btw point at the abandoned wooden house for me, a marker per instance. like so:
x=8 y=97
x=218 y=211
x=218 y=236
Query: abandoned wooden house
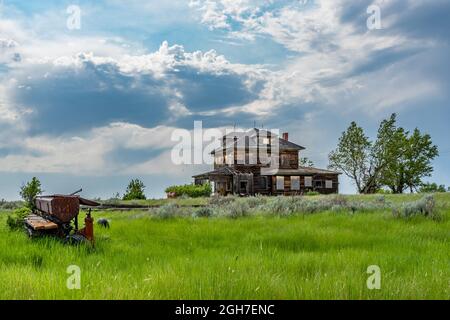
x=260 y=162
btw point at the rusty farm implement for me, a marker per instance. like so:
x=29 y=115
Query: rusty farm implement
x=58 y=215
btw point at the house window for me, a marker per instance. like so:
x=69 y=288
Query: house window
x=263 y=182
x=318 y=184
x=285 y=160
x=280 y=183
x=308 y=182
x=329 y=184
x=295 y=183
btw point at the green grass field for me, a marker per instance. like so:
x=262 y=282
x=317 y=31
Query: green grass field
x=316 y=256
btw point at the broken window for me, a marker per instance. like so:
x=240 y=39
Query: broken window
x=318 y=184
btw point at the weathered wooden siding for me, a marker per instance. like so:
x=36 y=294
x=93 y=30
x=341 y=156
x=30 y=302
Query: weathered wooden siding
x=303 y=189
x=289 y=159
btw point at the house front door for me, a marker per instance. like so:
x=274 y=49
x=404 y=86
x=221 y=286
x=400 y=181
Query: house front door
x=243 y=187
x=221 y=188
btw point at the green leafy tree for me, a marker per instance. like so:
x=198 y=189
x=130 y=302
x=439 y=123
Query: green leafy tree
x=305 y=162
x=414 y=162
x=135 y=190
x=396 y=159
x=388 y=150
x=30 y=191
x=432 y=188
x=352 y=155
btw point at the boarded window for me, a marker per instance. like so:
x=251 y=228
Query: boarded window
x=280 y=183
x=329 y=184
x=308 y=182
x=295 y=183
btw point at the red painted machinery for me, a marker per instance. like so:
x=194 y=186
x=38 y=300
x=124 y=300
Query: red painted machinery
x=57 y=215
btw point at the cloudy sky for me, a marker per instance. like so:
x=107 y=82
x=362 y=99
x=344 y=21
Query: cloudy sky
x=94 y=104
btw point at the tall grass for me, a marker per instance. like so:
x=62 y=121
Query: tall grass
x=323 y=255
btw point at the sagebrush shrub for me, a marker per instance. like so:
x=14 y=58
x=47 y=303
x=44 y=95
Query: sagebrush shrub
x=204 y=212
x=220 y=201
x=167 y=211
x=237 y=209
x=279 y=206
x=338 y=200
x=424 y=207
x=256 y=201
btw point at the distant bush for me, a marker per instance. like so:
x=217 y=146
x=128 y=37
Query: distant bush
x=256 y=201
x=424 y=207
x=432 y=188
x=10 y=205
x=280 y=206
x=167 y=211
x=220 y=201
x=135 y=190
x=312 y=193
x=16 y=220
x=237 y=209
x=204 y=212
x=190 y=190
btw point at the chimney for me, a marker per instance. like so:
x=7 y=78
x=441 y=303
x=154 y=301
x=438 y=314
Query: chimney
x=286 y=136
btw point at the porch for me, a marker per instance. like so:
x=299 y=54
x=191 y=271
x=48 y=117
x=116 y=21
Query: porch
x=227 y=180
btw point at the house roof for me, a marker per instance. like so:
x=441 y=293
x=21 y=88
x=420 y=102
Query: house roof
x=224 y=171
x=301 y=171
x=283 y=144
